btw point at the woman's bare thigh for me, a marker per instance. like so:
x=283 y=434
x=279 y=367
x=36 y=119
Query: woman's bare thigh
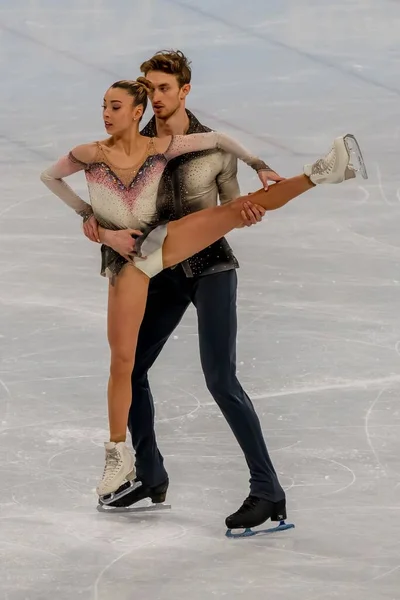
x=126 y=305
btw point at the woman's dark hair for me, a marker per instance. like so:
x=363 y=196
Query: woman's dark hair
x=139 y=89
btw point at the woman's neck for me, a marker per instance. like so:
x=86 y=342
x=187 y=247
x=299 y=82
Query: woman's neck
x=128 y=142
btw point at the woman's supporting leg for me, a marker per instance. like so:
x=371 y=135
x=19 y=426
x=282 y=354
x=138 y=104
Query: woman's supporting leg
x=126 y=306
x=192 y=233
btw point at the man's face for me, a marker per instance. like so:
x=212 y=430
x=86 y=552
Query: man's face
x=167 y=97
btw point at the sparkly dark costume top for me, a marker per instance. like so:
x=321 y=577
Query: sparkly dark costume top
x=194 y=181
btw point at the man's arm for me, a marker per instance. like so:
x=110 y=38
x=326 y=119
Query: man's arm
x=227 y=182
x=228 y=189
x=122 y=241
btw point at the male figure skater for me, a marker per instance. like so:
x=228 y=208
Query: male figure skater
x=209 y=281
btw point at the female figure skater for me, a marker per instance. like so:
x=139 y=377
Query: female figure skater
x=123 y=174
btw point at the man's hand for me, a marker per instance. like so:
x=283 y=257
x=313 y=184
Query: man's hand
x=251 y=214
x=266 y=176
x=91 y=229
x=121 y=241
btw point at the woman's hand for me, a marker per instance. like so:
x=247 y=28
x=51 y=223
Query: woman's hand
x=266 y=176
x=91 y=229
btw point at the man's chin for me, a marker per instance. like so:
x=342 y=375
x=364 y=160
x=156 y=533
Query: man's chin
x=162 y=114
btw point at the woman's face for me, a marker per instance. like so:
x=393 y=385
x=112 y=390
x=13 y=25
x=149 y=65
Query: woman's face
x=119 y=112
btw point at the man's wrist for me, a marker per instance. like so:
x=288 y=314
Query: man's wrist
x=104 y=235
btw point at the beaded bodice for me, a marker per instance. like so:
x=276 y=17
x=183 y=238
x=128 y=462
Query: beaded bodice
x=124 y=197
x=127 y=198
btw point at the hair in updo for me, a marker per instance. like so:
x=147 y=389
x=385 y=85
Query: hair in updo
x=139 y=89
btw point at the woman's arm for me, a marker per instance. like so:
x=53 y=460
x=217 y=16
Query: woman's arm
x=53 y=177
x=195 y=142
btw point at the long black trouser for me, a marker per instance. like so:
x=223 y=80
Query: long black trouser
x=214 y=297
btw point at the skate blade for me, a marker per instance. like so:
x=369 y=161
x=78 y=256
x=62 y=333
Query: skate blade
x=354 y=150
x=250 y=532
x=125 y=489
x=133 y=509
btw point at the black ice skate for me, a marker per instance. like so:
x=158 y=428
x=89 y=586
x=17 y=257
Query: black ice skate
x=255 y=511
x=129 y=494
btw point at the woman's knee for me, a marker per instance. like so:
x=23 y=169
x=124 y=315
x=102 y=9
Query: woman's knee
x=122 y=362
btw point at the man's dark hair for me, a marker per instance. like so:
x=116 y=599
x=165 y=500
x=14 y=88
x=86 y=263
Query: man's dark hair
x=173 y=62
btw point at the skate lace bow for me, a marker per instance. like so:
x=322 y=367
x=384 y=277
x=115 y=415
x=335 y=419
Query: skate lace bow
x=113 y=464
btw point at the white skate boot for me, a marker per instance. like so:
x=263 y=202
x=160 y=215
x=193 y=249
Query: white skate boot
x=336 y=166
x=119 y=469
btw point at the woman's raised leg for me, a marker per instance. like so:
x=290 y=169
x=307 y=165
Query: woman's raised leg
x=192 y=233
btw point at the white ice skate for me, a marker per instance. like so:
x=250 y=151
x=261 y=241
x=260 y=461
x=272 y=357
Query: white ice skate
x=337 y=166
x=119 y=469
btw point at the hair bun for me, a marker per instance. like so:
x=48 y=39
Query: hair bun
x=146 y=84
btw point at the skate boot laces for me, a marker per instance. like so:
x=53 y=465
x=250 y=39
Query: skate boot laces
x=114 y=462
x=250 y=502
x=326 y=164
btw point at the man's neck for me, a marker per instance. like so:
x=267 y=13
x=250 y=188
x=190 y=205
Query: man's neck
x=176 y=124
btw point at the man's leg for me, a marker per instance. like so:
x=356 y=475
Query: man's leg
x=166 y=304
x=215 y=300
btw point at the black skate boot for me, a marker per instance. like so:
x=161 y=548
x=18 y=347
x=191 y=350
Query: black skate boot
x=140 y=491
x=255 y=511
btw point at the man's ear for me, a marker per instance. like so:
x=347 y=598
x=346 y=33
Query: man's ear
x=185 y=89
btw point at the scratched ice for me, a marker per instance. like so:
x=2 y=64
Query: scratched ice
x=319 y=338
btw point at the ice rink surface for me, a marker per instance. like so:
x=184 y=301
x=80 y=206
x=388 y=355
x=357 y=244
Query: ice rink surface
x=319 y=298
